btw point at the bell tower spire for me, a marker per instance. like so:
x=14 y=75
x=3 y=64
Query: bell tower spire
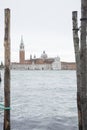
x=22 y=44
x=22 y=52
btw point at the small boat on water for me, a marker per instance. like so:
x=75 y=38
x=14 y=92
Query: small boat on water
x=0 y=77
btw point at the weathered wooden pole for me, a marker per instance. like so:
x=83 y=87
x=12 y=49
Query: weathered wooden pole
x=77 y=58
x=7 y=71
x=83 y=59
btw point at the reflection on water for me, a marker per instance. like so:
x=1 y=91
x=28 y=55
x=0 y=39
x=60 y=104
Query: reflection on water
x=43 y=100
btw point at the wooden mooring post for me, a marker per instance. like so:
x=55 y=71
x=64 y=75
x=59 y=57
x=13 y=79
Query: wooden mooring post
x=78 y=73
x=83 y=60
x=81 y=63
x=7 y=71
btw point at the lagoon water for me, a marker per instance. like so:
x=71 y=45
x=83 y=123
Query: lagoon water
x=42 y=100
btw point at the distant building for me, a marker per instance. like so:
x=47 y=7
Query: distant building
x=68 y=66
x=22 y=52
x=42 y=63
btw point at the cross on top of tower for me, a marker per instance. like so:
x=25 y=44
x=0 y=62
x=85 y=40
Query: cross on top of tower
x=22 y=39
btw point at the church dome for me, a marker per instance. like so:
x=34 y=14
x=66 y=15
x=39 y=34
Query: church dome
x=44 y=55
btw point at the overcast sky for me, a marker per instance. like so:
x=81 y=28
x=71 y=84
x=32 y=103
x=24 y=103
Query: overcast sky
x=44 y=24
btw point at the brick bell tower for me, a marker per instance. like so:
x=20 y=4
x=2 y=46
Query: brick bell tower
x=22 y=52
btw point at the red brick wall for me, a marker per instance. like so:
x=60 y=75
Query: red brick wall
x=22 y=57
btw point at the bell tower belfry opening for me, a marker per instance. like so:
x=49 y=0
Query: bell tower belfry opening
x=22 y=52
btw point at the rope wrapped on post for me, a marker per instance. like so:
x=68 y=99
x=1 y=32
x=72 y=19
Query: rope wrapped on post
x=4 y=108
